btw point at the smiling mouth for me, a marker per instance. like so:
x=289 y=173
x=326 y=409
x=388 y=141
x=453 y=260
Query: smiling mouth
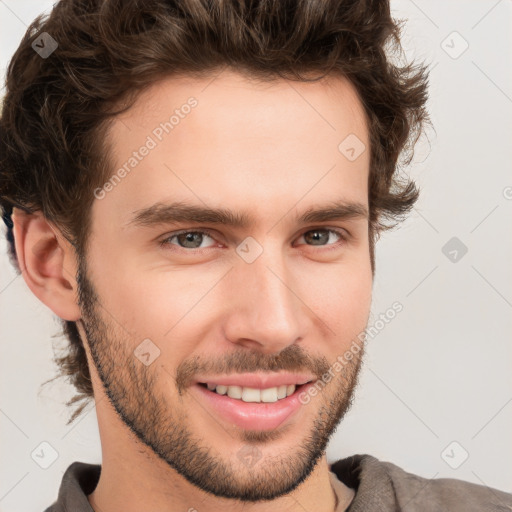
x=256 y=407
x=255 y=395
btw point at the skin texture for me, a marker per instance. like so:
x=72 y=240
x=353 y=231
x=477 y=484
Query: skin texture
x=271 y=151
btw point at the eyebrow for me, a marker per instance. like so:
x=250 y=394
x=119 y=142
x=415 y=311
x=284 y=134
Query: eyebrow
x=180 y=212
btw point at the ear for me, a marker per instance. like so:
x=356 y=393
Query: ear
x=48 y=263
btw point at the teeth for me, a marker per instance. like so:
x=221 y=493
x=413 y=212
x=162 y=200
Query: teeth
x=269 y=395
x=222 y=390
x=251 y=395
x=281 y=391
x=234 y=392
x=245 y=394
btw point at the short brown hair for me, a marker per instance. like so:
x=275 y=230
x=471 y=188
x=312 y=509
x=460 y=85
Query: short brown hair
x=56 y=110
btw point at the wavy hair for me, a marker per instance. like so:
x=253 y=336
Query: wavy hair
x=56 y=110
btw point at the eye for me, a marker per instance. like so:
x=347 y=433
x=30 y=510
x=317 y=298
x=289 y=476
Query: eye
x=194 y=239
x=321 y=236
x=188 y=239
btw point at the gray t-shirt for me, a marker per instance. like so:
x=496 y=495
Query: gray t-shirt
x=378 y=486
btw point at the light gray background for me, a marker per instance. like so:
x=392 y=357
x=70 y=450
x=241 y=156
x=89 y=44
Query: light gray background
x=441 y=370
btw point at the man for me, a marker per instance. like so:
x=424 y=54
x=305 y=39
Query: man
x=196 y=189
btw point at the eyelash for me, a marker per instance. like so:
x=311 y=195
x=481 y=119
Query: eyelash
x=344 y=237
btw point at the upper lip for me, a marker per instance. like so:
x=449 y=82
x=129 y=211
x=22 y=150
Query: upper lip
x=258 y=380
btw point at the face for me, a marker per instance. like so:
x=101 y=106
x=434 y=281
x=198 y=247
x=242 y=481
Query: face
x=232 y=256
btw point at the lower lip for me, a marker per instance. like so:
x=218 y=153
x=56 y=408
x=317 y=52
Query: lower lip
x=252 y=415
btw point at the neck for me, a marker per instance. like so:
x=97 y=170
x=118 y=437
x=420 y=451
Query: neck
x=133 y=478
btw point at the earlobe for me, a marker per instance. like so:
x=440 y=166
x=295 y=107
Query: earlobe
x=47 y=262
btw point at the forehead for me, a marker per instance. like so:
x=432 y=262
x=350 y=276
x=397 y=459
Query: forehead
x=226 y=98
x=227 y=137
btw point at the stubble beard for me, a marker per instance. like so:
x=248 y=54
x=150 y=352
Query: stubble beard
x=132 y=389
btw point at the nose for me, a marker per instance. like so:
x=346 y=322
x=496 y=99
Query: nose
x=266 y=313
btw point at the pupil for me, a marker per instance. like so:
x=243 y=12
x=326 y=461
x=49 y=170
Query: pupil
x=317 y=236
x=190 y=238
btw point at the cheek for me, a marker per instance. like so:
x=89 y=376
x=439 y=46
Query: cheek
x=158 y=304
x=341 y=298
x=164 y=304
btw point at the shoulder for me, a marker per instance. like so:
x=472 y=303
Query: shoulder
x=386 y=482
x=449 y=493
x=79 y=480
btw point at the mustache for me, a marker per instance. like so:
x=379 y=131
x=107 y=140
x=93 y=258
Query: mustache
x=293 y=359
